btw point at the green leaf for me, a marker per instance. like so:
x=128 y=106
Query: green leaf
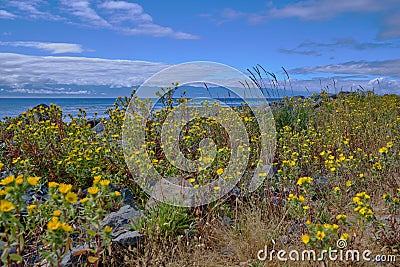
x=92 y=259
x=16 y=257
x=91 y=232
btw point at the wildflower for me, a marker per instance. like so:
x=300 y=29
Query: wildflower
x=7 y=180
x=33 y=180
x=220 y=171
x=196 y=186
x=216 y=188
x=83 y=200
x=66 y=227
x=65 y=188
x=305 y=239
x=383 y=150
x=93 y=190
x=308 y=222
x=96 y=179
x=336 y=189
x=335 y=226
x=6 y=206
x=53 y=224
x=341 y=216
x=31 y=207
x=19 y=180
x=117 y=193
x=53 y=184
x=306 y=207
x=57 y=213
x=348 y=183
x=385 y=196
x=301 y=198
x=320 y=235
x=389 y=145
x=1 y=165
x=71 y=197
x=333 y=169
x=302 y=180
x=345 y=236
x=3 y=192
x=105 y=182
x=107 y=229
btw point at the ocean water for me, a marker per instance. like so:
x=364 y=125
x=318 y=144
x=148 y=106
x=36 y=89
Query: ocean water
x=11 y=107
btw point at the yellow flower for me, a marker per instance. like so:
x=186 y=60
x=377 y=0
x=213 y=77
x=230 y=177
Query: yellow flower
x=361 y=175
x=301 y=198
x=93 y=190
x=341 y=216
x=33 y=180
x=333 y=169
x=117 y=193
x=389 y=145
x=306 y=207
x=31 y=207
x=337 y=189
x=66 y=227
x=71 y=197
x=1 y=165
x=220 y=171
x=105 y=182
x=6 y=206
x=3 y=192
x=308 y=222
x=192 y=180
x=320 y=235
x=107 y=229
x=345 y=236
x=96 y=179
x=7 y=180
x=196 y=186
x=335 y=226
x=83 y=200
x=216 y=188
x=348 y=183
x=385 y=196
x=19 y=180
x=53 y=184
x=65 y=188
x=305 y=239
x=57 y=213
x=53 y=224
x=383 y=150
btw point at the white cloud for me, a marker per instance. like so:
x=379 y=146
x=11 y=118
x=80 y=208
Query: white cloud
x=326 y=9
x=54 y=48
x=390 y=68
x=17 y=70
x=120 y=16
x=83 y=11
x=4 y=14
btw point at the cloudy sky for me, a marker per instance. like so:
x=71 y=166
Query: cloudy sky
x=101 y=48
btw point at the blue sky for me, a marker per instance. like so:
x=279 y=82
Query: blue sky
x=100 y=48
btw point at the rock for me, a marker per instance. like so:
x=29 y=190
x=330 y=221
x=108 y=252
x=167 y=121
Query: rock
x=73 y=257
x=130 y=238
x=2 y=244
x=99 y=128
x=93 y=122
x=122 y=217
x=120 y=222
